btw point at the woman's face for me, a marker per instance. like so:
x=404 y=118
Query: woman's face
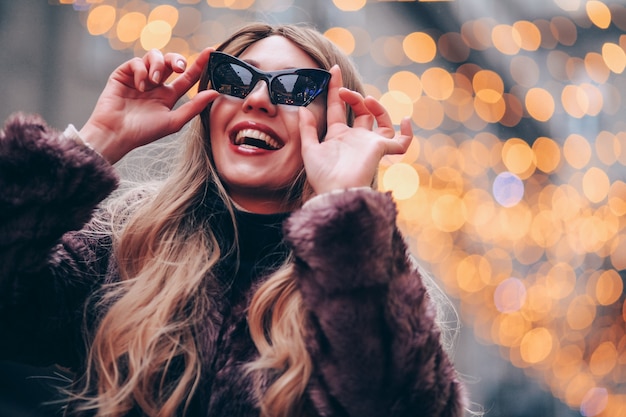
x=257 y=177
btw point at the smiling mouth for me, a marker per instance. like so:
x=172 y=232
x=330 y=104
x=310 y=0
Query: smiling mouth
x=256 y=139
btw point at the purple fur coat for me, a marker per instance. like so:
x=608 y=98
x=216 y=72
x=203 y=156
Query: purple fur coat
x=373 y=340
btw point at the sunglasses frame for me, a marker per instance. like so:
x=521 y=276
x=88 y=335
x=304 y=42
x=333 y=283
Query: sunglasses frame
x=316 y=74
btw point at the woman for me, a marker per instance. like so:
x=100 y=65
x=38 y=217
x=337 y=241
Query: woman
x=264 y=276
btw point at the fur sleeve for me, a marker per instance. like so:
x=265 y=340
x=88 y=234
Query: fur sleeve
x=49 y=185
x=372 y=337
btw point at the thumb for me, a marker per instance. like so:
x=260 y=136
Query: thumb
x=193 y=107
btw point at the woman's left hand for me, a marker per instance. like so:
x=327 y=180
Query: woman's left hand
x=349 y=156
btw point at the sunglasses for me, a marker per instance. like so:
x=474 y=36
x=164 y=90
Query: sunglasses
x=294 y=87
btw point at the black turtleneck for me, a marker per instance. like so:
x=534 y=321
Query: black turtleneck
x=260 y=251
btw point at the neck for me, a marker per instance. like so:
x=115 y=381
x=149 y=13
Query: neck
x=261 y=203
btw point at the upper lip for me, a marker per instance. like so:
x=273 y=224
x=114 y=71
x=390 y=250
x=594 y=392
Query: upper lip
x=257 y=131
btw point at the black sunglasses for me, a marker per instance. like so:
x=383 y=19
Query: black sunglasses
x=294 y=87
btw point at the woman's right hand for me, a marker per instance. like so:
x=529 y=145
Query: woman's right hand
x=136 y=106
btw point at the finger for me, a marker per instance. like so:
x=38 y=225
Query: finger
x=175 y=62
x=335 y=106
x=137 y=70
x=190 y=109
x=363 y=116
x=308 y=129
x=402 y=141
x=155 y=62
x=383 y=119
x=183 y=83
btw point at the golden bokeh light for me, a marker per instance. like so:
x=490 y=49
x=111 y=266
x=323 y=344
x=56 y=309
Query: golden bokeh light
x=614 y=57
x=155 y=34
x=536 y=345
x=506 y=39
x=419 y=47
x=130 y=26
x=101 y=19
x=343 y=38
x=407 y=82
x=349 y=5
x=599 y=13
x=547 y=154
x=540 y=104
x=577 y=151
x=402 y=180
x=398 y=104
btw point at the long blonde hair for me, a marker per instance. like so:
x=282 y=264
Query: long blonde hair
x=165 y=252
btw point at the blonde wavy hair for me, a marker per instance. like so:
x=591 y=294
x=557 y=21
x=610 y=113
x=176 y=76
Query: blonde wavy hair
x=144 y=351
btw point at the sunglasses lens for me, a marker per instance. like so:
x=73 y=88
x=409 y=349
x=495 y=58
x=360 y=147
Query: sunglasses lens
x=232 y=79
x=295 y=90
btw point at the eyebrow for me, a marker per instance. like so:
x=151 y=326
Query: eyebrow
x=255 y=64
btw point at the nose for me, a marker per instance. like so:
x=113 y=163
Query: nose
x=259 y=99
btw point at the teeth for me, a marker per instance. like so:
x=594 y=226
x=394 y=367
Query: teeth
x=255 y=134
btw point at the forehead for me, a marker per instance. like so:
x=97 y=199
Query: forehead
x=276 y=53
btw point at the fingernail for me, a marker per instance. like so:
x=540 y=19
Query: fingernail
x=156 y=77
x=180 y=64
x=142 y=86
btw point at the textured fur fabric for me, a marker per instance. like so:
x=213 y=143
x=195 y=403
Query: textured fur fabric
x=371 y=326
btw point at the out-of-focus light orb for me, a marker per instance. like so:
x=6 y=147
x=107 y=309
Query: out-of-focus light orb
x=437 y=83
x=407 y=82
x=419 y=47
x=599 y=13
x=603 y=359
x=506 y=39
x=165 y=13
x=517 y=156
x=536 y=345
x=341 y=37
x=130 y=26
x=449 y=213
x=540 y=104
x=398 y=104
x=510 y=295
x=488 y=86
x=575 y=101
x=155 y=35
x=581 y=312
x=402 y=180
x=529 y=35
x=428 y=113
x=597 y=68
x=614 y=57
x=547 y=154
x=349 y=5
x=452 y=47
x=577 y=151
x=596 y=184
x=568 y=5
x=594 y=402
x=508 y=189
x=101 y=19
x=617 y=198
x=564 y=30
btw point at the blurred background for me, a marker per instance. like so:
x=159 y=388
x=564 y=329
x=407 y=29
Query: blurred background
x=512 y=195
